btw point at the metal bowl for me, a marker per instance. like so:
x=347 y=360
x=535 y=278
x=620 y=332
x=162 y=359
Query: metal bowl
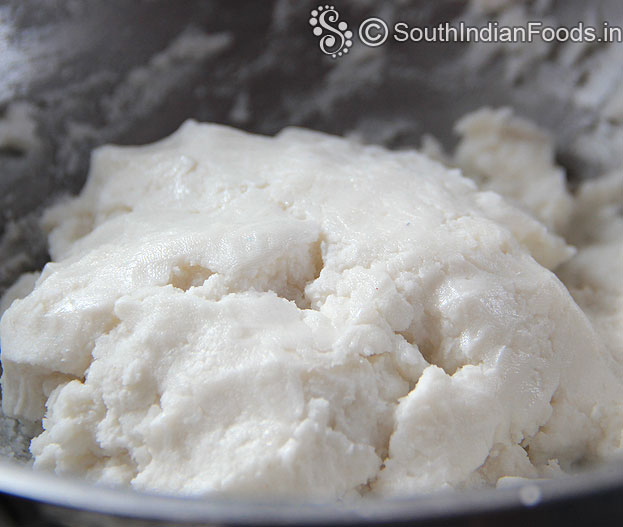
x=81 y=73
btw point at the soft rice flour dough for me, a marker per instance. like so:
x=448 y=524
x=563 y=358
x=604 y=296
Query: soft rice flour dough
x=303 y=315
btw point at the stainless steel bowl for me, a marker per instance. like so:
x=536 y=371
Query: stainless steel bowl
x=93 y=72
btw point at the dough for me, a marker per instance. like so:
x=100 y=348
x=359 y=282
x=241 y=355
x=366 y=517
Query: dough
x=303 y=316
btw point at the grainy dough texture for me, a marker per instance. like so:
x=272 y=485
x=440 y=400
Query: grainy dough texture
x=303 y=315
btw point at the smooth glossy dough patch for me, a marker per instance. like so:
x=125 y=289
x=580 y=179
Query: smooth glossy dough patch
x=301 y=316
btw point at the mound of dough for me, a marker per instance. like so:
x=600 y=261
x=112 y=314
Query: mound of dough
x=300 y=315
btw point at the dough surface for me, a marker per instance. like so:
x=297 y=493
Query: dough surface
x=303 y=315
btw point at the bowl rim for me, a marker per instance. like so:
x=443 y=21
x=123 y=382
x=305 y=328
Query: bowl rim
x=74 y=493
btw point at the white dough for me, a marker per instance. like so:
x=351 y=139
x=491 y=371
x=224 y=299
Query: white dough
x=513 y=157
x=303 y=315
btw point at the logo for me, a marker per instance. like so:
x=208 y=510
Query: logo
x=335 y=38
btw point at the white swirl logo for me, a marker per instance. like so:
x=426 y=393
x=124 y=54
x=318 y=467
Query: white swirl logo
x=335 y=40
x=373 y=32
